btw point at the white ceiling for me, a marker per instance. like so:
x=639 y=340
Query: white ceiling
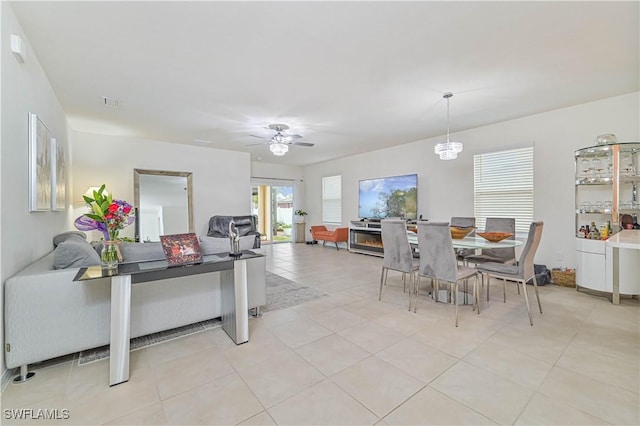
x=350 y=77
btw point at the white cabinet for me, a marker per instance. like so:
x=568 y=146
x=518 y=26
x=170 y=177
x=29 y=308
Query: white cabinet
x=591 y=269
x=606 y=188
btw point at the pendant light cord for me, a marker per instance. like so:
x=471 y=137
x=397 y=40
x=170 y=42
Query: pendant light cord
x=447 y=96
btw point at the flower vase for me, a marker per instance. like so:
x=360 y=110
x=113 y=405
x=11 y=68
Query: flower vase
x=109 y=257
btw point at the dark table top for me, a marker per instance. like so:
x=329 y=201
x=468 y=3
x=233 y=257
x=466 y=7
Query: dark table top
x=160 y=270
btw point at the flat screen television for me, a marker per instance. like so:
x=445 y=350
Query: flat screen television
x=395 y=196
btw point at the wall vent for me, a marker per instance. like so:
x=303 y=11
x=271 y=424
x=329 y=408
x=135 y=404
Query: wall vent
x=110 y=102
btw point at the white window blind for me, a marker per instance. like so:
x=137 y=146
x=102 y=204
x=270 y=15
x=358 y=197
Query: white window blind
x=503 y=187
x=332 y=199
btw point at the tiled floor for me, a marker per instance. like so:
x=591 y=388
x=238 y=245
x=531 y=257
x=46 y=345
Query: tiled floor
x=349 y=359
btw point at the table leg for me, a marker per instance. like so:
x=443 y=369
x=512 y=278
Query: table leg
x=235 y=304
x=615 y=297
x=120 y=329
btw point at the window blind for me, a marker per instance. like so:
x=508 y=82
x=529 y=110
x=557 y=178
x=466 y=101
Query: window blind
x=503 y=187
x=332 y=199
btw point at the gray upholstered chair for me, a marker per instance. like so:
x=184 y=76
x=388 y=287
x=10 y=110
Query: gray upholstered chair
x=522 y=272
x=464 y=222
x=499 y=255
x=438 y=261
x=246 y=226
x=398 y=255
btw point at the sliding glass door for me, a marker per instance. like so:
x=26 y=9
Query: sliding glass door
x=273 y=204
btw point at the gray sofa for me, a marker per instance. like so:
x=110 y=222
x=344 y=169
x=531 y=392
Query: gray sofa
x=47 y=314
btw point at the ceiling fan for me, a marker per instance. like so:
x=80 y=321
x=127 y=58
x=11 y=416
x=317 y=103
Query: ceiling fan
x=279 y=143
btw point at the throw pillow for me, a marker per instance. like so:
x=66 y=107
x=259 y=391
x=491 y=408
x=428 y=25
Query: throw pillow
x=75 y=235
x=74 y=253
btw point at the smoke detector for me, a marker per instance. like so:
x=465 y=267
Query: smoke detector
x=111 y=102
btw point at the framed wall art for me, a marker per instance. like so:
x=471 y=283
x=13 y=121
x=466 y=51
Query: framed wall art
x=40 y=142
x=58 y=176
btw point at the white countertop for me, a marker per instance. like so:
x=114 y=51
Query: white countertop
x=628 y=238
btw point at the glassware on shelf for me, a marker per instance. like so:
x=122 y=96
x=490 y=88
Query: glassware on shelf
x=585 y=164
x=606 y=139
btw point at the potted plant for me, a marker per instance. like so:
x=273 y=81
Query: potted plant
x=300 y=214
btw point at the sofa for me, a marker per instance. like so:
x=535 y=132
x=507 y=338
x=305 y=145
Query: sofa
x=48 y=315
x=321 y=233
x=247 y=227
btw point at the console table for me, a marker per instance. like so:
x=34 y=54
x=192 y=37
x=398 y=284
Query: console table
x=233 y=294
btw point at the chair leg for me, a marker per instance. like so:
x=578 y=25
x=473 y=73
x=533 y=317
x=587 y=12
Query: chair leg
x=381 y=281
x=526 y=299
x=476 y=291
x=337 y=248
x=535 y=285
x=455 y=290
x=414 y=291
x=504 y=289
x=488 y=282
x=404 y=282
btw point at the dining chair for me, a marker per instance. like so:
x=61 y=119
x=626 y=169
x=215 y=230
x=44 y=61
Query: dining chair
x=522 y=272
x=464 y=222
x=398 y=255
x=438 y=262
x=498 y=255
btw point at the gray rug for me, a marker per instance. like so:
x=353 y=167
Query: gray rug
x=281 y=293
x=96 y=354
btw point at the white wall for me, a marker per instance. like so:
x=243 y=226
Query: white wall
x=24 y=236
x=445 y=188
x=221 y=183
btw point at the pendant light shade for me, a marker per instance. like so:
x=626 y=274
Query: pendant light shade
x=448 y=150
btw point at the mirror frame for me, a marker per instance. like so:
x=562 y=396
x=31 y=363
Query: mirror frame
x=136 y=191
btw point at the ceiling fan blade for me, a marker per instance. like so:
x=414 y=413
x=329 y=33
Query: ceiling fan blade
x=259 y=137
x=302 y=144
x=256 y=144
x=294 y=136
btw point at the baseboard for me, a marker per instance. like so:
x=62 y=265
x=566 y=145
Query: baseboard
x=6 y=377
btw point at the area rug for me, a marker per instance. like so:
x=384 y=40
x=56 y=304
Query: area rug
x=283 y=293
x=96 y=354
x=280 y=293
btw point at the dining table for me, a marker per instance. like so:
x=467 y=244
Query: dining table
x=466 y=243
x=470 y=242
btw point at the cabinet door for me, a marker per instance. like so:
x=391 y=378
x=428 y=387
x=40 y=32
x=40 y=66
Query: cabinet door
x=629 y=264
x=590 y=270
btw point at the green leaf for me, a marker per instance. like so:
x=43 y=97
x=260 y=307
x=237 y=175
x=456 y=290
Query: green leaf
x=87 y=200
x=110 y=199
x=94 y=217
x=97 y=209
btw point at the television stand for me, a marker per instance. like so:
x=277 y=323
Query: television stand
x=365 y=237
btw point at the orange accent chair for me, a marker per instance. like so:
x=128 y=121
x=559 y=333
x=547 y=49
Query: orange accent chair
x=321 y=233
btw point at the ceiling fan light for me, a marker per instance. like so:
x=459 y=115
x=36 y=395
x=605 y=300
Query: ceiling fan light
x=279 y=149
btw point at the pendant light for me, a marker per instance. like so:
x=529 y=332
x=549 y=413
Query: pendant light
x=448 y=150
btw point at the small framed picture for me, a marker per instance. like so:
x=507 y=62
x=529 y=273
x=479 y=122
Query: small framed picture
x=181 y=249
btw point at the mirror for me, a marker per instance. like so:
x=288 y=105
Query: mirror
x=164 y=202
